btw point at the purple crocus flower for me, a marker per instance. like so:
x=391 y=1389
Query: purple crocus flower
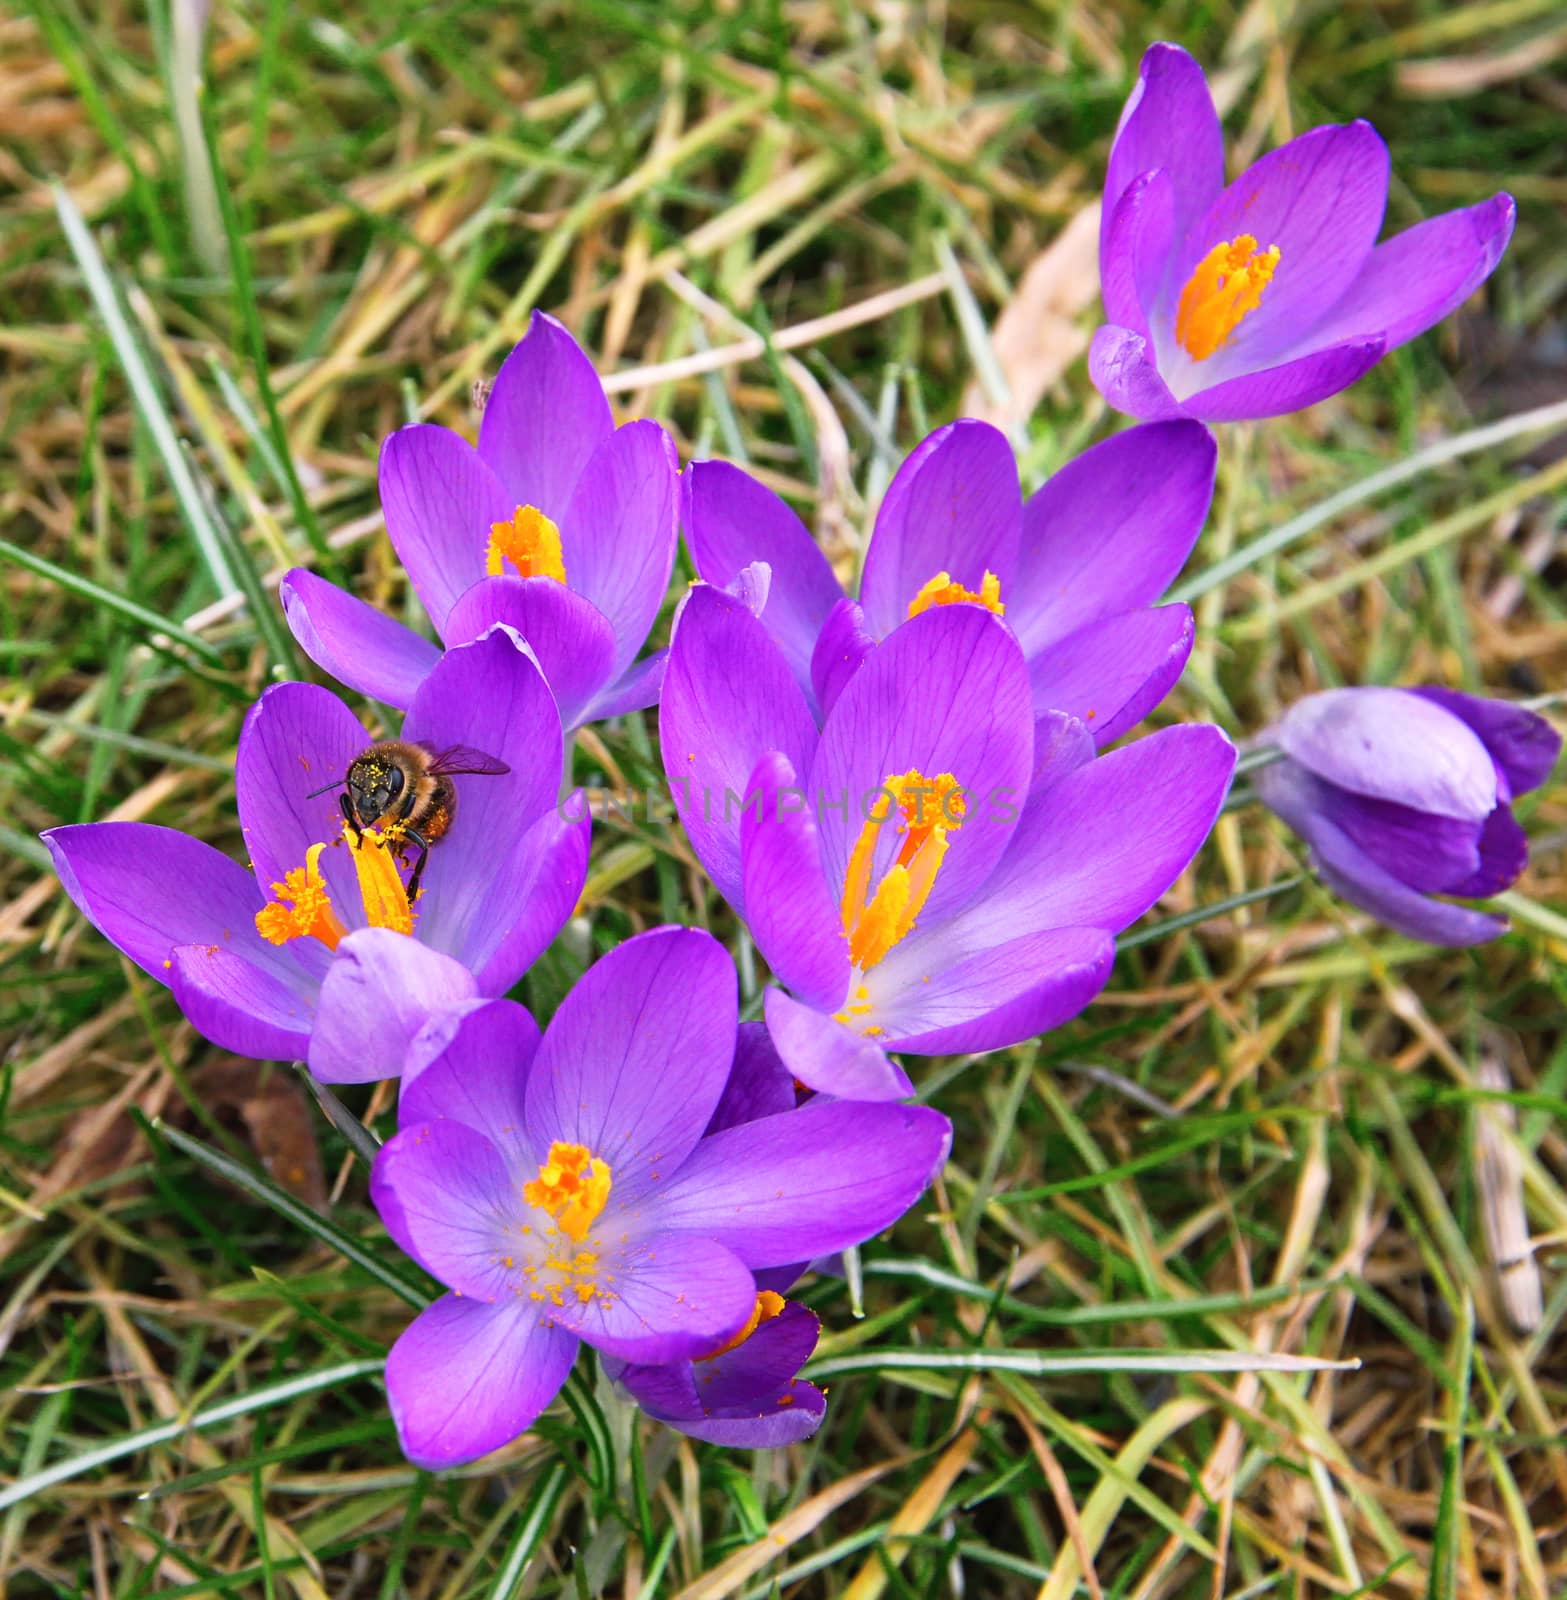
x=314 y=952
x=930 y=873
x=1403 y=794
x=746 y=1392
x=559 y=524
x=564 y=1190
x=1273 y=293
x=1075 y=571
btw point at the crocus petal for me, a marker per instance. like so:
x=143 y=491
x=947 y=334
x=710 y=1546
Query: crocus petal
x=532 y=896
x=790 y=913
x=148 y=889
x=731 y=521
x=1113 y=672
x=545 y=417
x=490 y=696
x=1320 y=199
x=1169 y=122
x=1111 y=529
x=1355 y=877
x=359 y=645
x=954 y=506
x=1122 y=366
x=1292 y=386
x=440 y=501
x=1135 y=250
x=1391 y=745
x=937 y=997
x=674 y=1296
x=1418 y=276
x=794 y=1415
x=1422 y=849
x=380 y=989
x=634 y=1062
x=638 y=687
x=479 y=1079
x=239 y=1004
x=799 y=1185
x=829 y=1057
x=842 y=646
x=761 y=1367
x=619 y=532
x=729 y=697
x=466 y=1378
x=570 y=638
x=298 y=739
x=1105 y=842
x=1061 y=745
x=1504 y=853
x=1523 y=745
x=946 y=692
x=446 y=1196
x=759 y=1085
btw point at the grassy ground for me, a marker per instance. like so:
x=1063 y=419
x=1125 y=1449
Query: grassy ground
x=1277 y=1131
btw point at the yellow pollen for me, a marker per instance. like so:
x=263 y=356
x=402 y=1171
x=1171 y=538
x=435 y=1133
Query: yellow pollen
x=530 y=541
x=942 y=591
x=309 y=912
x=928 y=810
x=374 y=855
x=573 y=1186
x=768 y=1305
x=1225 y=288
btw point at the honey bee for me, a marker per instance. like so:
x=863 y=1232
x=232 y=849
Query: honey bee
x=396 y=781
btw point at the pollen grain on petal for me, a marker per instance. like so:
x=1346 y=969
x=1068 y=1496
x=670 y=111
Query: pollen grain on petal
x=1223 y=290
x=530 y=542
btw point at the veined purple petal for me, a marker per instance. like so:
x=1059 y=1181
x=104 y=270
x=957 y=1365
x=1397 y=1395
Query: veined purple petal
x=570 y=638
x=729 y=697
x=759 y=1085
x=491 y=696
x=947 y=692
x=480 y=1079
x=1111 y=529
x=440 y=502
x=1061 y=745
x=954 y=506
x=841 y=648
x=1523 y=745
x=466 y=1378
x=941 y=996
x=788 y=908
x=545 y=417
x=1123 y=368
x=239 y=1004
x=636 y=1058
x=1291 y=386
x=1417 y=277
x=828 y=1056
x=1422 y=849
x=761 y=1367
x=808 y=1182
x=675 y=1296
x=1111 y=673
x=1391 y=745
x=297 y=739
x=359 y=645
x=446 y=1197
x=380 y=989
x=635 y=690
x=1320 y=200
x=619 y=533
x=1504 y=853
x=732 y=521
x=1134 y=250
x=1168 y=122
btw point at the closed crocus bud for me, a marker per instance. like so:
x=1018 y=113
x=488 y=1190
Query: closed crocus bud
x=1405 y=794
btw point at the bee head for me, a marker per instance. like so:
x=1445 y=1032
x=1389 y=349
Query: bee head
x=373 y=784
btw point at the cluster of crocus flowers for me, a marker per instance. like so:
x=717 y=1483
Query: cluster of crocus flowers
x=1264 y=296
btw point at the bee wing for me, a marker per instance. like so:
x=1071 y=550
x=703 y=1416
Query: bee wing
x=464 y=758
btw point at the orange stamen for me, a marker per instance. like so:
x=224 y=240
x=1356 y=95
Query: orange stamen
x=942 y=591
x=530 y=541
x=573 y=1186
x=309 y=912
x=768 y=1305
x=1225 y=288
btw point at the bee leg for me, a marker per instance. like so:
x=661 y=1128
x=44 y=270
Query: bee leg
x=346 y=806
x=418 y=872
